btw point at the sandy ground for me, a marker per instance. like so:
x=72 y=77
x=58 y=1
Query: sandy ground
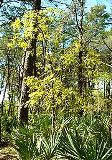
x=9 y=157
x=8 y=153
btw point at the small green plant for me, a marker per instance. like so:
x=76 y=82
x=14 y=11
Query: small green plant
x=50 y=146
x=74 y=147
x=26 y=141
x=31 y=145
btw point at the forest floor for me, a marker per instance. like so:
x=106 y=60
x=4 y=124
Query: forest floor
x=8 y=153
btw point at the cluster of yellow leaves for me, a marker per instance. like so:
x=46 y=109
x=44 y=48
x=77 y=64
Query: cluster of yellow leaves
x=77 y=46
x=10 y=45
x=91 y=62
x=69 y=56
x=50 y=91
x=23 y=44
x=16 y=25
x=28 y=21
x=34 y=23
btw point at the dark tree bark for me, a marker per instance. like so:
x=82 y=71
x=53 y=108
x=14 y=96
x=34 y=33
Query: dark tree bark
x=79 y=11
x=79 y=24
x=104 y=89
x=29 y=69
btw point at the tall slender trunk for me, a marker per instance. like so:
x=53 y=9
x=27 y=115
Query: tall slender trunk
x=80 y=29
x=81 y=77
x=108 y=90
x=1 y=113
x=104 y=89
x=29 y=69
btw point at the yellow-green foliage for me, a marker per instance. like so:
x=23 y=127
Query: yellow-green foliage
x=51 y=92
x=56 y=83
x=92 y=62
x=35 y=23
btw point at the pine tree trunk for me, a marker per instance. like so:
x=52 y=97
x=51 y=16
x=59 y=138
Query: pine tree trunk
x=81 y=76
x=29 y=69
x=81 y=52
x=1 y=113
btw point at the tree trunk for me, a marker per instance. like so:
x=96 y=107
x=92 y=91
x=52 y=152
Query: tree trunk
x=81 y=76
x=1 y=113
x=80 y=29
x=104 y=89
x=29 y=69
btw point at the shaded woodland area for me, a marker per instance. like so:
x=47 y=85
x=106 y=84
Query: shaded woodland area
x=55 y=80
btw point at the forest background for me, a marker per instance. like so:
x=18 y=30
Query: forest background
x=55 y=78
